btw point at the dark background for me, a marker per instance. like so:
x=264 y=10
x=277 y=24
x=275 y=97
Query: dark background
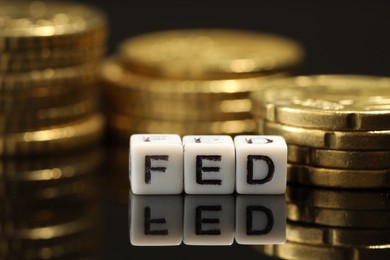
x=343 y=37
x=350 y=37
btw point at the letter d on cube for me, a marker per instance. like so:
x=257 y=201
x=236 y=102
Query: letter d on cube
x=261 y=164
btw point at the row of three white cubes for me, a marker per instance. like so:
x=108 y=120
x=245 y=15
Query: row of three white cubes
x=207 y=164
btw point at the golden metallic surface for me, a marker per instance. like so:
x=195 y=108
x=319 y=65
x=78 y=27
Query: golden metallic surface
x=332 y=102
x=48 y=58
x=209 y=53
x=55 y=139
x=302 y=251
x=323 y=236
x=360 y=160
x=48 y=81
x=47 y=24
x=59 y=228
x=342 y=218
x=126 y=125
x=328 y=139
x=74 y=246
x=338 y=178
x=24 y=104
x=47 y=117
x=128 y=83
x=185 y=110
x=79 y=187
x=338 y=199
x=51 y=168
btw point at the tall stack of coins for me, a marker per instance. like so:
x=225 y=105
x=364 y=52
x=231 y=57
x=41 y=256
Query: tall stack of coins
x=48 y=206
x=337 y=128
x=49 y=54
x=335 y=224
x=192 y=81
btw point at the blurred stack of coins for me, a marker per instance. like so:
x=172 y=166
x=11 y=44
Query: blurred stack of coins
x=49 y=55
x=48 y=206
x=192 y=81
x=337 y=128
x=338 y=132
x=335 y=224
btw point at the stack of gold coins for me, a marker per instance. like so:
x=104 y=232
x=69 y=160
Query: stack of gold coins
x=337 y=128
x=335 y=224
x=192 y=81
x=49 y=54
x=48 y=206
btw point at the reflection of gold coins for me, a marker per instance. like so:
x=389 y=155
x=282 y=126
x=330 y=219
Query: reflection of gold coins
x=48 y=205
x=164 y=82
x=212 y=53
x=293 y=250
x=338 y=199
x=324 y=236
x=339 y=217
x=327 y=102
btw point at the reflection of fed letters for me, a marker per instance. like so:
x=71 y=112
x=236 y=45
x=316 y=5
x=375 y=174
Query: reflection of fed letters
x=207 y=220
x=207 y=164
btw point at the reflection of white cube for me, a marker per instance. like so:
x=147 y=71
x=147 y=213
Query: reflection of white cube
x=208 y=220
x=260 y=220
x=261 y=164
x=156 y=220
x=156 y=164
x=208 y=164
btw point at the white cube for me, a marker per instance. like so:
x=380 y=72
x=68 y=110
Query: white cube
x=156 y=220
x=261 y=164
x=260 y=220
x=156 y=164
x=208 y=220
x=209 y=164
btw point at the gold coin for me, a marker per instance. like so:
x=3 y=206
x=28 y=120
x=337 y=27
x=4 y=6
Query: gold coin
x=181 y=110
x=332 y=102
x=320 y=235
x=23 y=104
x=338 y=199
x=299 y=251
x=362 y=219
x=362 y=160
x=43 y=118
x=125 y=125
x=46 y=24
x=48 y=82
x=338 y=178
x=48 y=58
x=55 y=139
x=337 y=140
x=209 y=53
x=127 y=83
